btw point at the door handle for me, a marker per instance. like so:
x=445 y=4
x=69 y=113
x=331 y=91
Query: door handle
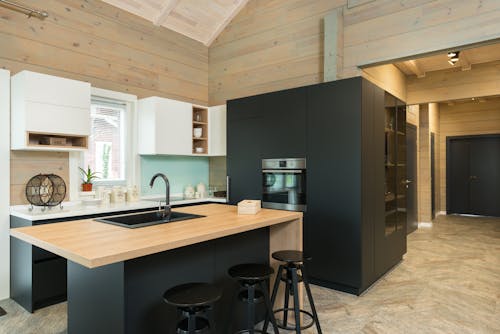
x=406 y=183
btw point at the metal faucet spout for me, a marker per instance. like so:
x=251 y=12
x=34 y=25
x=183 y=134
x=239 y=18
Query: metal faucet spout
x=167 y=211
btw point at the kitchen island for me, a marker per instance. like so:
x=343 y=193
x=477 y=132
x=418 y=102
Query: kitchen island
x=116 y=276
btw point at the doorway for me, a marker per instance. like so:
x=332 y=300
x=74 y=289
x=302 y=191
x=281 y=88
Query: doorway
x=411 y=174
x=473 y=175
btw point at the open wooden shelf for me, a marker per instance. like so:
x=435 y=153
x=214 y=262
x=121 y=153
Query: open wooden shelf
x=200 y=121
x=56 y=141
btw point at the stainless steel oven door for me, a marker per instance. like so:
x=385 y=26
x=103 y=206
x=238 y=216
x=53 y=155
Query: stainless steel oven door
x=284 y=189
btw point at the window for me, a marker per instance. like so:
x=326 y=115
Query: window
x=107 y=141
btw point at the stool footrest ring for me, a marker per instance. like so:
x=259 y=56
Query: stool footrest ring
x=280 y=324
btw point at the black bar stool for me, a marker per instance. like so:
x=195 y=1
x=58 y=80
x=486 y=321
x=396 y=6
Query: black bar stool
x=287 y=272
x=194 y=301
x=253 y=290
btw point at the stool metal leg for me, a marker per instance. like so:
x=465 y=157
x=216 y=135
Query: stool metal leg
x=191 y=322
x=309 y=296
x=269 y=308
x=296 y=306
x=211 y=320
x=234 y=302
x=286 y=303
x=275 y=292
x=251 y=309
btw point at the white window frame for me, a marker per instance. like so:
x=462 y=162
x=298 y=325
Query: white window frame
x=132 y=162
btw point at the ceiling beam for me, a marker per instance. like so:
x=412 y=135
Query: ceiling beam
x=464 y=61
x=226 y=21
x=415 y=68
x=165 y=12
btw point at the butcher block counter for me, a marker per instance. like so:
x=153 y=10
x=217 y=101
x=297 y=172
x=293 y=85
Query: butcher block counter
x=117 y=275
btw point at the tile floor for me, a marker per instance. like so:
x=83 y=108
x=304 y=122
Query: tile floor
x=448 y=282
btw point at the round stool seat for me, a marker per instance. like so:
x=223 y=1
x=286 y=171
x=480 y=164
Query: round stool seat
x=290 y=256
x=250 y=272
x=192 y=295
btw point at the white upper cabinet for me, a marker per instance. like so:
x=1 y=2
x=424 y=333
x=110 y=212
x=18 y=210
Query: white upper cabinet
x=165 y=126
x=49 y=112
x=217 y=130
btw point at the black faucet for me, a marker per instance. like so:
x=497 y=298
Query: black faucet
x=165 y=214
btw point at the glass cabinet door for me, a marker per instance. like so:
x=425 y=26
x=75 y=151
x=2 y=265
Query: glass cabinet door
x=401 y=181
x=390 y=164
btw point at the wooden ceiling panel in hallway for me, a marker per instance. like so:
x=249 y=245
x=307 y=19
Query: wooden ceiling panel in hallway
x=201 y=20
x=468 y=57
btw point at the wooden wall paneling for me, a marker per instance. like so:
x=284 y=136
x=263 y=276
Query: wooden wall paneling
x=430 y=27
x=111 y=51
x=143 y=32
x=26 y=164
x=269 y=46
x=453 y=84
x=354 y=3
x=464 y=118
x=109 y=46
x=412 y=114
x=388 y=77
x=424 y=166
x=264 y=35
x=264 y=17
x=368 y=11
x=434 y=128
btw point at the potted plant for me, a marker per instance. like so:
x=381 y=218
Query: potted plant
x=87 y=177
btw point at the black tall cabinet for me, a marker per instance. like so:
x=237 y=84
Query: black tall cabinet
x=258 y=127
x=340 y=127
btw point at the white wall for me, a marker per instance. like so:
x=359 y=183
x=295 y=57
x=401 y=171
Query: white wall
x=5 y=182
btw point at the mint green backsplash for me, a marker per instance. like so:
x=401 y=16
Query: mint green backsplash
x=180 y=170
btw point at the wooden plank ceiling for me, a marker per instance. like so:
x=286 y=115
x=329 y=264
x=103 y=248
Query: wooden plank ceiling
x=201 y=20
x=468 y=57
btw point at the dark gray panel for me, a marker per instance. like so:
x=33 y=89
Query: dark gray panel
x=96 y=299
x=283 y=131
x=411 y=140
x=21 y=273
x=485 y=176
x=249 y=247
x=148 y=277
x=457 y=176
x=333 y=221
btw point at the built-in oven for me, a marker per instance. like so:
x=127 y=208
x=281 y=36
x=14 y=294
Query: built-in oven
x=284 y=184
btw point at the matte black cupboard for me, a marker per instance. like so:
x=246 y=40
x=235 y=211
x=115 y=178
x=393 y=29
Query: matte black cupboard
x=341 y=128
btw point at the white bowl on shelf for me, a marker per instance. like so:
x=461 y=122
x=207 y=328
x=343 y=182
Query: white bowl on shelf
x=199 y=150
x=197 y=132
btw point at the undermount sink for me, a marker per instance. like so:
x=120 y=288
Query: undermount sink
x=146 y=219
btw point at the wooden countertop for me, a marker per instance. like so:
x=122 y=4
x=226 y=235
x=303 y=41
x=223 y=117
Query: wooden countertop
x=93 y=244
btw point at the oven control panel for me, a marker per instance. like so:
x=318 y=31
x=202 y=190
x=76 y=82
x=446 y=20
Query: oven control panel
x=284 y=163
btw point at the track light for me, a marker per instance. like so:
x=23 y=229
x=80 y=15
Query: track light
x=453 y=57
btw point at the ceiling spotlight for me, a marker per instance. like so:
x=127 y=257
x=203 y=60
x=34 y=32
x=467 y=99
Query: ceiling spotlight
x=453 y=57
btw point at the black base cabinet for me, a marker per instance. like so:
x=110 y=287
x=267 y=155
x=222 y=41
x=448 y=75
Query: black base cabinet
x=342 y=124
x=38 y=278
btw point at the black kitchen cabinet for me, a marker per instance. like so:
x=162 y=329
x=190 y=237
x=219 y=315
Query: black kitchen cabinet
x=283 y=131
x=244 y=130
x=392 y=243
x=340 y=127
x=38 y=278
x=333 y=182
